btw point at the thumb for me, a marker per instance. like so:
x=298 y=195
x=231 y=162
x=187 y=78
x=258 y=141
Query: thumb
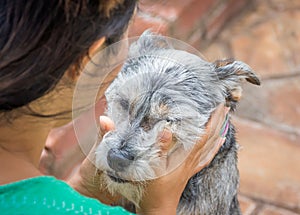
x=106 y=124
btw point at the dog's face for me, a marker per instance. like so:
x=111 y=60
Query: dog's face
x=160 y=88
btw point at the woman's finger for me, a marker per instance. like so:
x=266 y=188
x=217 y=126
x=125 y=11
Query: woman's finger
x=105 y=124
x=210 y=144
x=165 y=141
x=208 y=154
x=216 y=120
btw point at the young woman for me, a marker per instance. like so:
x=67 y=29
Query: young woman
x=42 y=45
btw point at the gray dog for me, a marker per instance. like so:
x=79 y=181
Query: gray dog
x=161 y=87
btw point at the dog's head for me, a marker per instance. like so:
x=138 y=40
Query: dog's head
x=160 y=87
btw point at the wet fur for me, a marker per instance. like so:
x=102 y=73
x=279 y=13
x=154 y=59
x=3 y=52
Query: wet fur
x=161 y=87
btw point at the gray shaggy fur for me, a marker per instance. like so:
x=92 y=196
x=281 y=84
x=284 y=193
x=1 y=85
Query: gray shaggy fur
x=160 y=87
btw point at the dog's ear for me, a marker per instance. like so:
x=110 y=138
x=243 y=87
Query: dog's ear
x=231 y=73
x=148 y=42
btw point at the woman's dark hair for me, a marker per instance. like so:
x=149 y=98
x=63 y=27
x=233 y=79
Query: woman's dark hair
x=40 y=40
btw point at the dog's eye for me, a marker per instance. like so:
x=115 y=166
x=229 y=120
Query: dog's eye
x=145 y=126
x=124 y=104
x=172 y=120
x=147 y=123
x=169 y=120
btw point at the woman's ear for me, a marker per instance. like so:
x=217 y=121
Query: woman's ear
x=96 y=46
x=74 y=70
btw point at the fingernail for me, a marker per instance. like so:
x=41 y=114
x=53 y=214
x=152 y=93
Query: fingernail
x=165 y=140
x=225 y=127
x=165 y=136
x=227 y=109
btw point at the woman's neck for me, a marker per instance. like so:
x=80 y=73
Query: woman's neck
x=21 y=144
x=14 y=168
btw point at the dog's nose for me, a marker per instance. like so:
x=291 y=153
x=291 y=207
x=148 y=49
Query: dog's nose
x=118 y=160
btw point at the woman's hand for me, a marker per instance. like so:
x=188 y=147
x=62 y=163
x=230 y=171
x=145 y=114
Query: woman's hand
x=87 y=179
x=162 y=194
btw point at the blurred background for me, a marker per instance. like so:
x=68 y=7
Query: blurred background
x=266 y=35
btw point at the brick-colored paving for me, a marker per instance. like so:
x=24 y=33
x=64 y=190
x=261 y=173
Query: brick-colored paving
x=266 y=35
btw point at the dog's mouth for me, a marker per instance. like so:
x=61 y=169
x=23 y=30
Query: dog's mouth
x=116 y=179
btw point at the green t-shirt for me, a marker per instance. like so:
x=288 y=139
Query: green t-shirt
x=47 y=195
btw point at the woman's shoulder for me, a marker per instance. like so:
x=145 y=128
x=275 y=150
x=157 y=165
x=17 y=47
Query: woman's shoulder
x=46 y=194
